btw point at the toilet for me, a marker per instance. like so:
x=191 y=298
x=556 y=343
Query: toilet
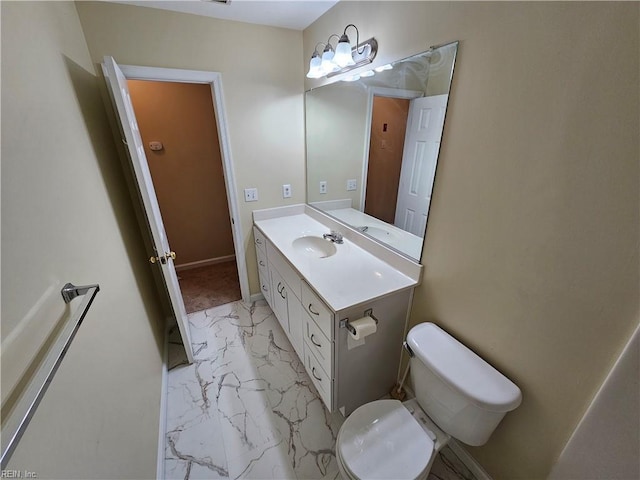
x=457 y=394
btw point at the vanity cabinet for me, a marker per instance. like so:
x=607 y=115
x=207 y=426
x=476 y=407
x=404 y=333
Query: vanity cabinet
x=345 y=374
x=305 y=318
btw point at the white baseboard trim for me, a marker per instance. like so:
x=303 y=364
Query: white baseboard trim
x=470 y=462
x=255 y=297
x=164 y=390
x=204 y=263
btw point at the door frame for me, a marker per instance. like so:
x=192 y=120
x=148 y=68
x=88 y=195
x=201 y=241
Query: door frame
x=214 y=79
x=378 y=92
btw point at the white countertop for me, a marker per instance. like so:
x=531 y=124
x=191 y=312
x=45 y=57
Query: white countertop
x=395 y=237
x=349 y=277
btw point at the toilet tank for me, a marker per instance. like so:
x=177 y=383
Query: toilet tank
x=464 y=395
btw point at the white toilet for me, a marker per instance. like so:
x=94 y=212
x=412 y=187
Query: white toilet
x=457 y=395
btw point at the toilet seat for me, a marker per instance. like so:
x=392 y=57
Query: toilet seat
x=382 y=440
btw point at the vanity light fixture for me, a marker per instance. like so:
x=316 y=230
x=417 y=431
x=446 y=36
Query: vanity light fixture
x=343 y=58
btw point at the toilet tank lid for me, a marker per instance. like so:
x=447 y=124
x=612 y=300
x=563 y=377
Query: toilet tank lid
x=461 y=368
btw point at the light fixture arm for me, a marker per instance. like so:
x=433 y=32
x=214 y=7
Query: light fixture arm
x=344 y=34
x=330 y=37
x=315 y=50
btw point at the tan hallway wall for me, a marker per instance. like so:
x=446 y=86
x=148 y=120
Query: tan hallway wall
x=67 y=217
x=531 y=252
x=187 y=172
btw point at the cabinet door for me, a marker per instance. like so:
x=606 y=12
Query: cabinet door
x=279 y=295
x=296 y=332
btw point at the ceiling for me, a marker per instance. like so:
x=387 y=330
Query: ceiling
x=294 y=14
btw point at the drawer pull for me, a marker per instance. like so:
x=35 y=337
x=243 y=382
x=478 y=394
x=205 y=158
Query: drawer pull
x=262 y=263
x=264 y=288
x=313 y=372
x=311 y=310
x=314 y=342
x=259 y=241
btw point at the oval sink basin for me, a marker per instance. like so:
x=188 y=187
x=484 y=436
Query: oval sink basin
x=316 y=247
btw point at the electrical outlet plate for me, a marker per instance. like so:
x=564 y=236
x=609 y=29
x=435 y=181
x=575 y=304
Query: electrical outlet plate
x=250 y=194
x=286 y=191
x=323 y=186
x=352 y=184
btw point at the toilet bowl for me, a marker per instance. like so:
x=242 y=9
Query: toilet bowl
x=458 y=395
x=387 y=439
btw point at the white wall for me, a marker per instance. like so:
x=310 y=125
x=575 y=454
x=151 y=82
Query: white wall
x=66 y=217
x=531 y=252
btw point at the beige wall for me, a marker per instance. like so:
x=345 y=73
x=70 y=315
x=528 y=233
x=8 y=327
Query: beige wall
x=262 y=89
x=66 y=217
x=335 y=141
x=187 y=172
x=531 y=254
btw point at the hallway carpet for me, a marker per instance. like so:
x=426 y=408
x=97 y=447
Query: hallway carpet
x=207 y=287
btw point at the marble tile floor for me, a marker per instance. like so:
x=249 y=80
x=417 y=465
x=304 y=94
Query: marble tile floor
x=247 y=409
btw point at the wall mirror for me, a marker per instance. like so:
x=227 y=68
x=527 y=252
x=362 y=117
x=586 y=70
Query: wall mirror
x=373 y=144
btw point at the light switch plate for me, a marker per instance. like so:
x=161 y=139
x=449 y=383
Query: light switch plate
x=352 y=184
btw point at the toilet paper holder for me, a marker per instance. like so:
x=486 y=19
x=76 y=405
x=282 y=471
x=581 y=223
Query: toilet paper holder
x=344 y=323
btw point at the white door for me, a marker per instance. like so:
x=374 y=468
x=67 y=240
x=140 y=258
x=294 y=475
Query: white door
x=421 y=147
x=117 y=84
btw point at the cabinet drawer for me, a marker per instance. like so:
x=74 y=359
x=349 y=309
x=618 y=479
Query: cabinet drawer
x=259 y=240
x=319 y=377
x=288 y=273
x=262 y=259
x=317 y=310
x=318 y=343
x=265 y=285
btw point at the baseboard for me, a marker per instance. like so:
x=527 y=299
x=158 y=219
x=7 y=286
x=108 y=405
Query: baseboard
x=204 y=263
x=255 y=297
x=470 y=462
x=164 y=390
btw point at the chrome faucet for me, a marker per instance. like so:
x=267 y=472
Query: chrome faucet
x=335 y=237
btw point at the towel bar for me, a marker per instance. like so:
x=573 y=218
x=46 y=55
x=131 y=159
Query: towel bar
x=17 y=420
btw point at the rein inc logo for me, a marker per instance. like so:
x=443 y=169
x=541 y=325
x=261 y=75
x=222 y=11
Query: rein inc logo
x=17 y=474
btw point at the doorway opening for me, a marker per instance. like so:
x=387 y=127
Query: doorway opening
x=177 y=122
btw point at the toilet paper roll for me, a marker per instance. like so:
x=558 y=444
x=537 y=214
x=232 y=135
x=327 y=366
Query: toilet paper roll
x=364 y=327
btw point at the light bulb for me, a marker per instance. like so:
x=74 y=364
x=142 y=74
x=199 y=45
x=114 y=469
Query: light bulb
x=327 y=65
x=343 y=57
x=315 y=71
x=383 y=68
